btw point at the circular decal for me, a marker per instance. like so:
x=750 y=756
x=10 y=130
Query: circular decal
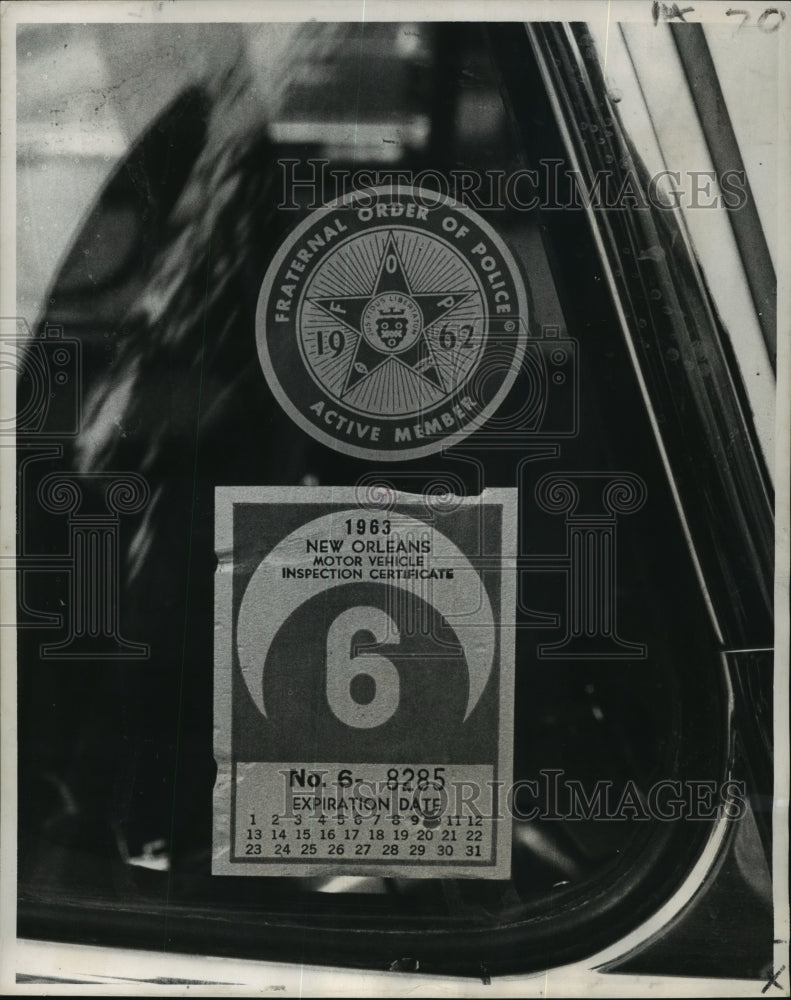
x=391 y=323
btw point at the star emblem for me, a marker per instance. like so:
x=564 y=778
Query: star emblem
x=391 y=323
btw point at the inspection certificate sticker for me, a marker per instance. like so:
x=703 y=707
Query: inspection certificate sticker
x=392 y=323
x=364 y=660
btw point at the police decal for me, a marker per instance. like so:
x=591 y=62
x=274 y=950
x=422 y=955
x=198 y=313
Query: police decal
x=391 y=323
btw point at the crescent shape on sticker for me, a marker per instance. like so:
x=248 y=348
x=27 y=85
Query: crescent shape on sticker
x=460 y=598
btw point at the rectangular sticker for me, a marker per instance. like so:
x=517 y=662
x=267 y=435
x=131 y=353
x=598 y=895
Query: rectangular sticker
x=363 y=692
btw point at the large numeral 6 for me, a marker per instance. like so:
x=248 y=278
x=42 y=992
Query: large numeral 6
x=343 y=667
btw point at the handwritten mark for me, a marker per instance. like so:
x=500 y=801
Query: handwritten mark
x=772 y=980
x=668 y=11
x=766 y=28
